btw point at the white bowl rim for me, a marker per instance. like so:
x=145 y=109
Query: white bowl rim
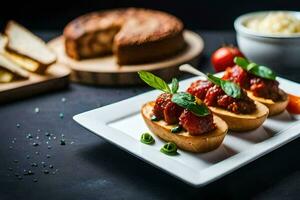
x=240 y=27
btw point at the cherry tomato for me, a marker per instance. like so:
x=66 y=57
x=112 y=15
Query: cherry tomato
x=223 y=57
x=294 y=104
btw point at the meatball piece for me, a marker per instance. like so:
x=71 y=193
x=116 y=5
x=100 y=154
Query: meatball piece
x=160 y=105
x=172 y=113
x=237 y=75
x=199 y=88
x=165 y=109
x=212 y=95
x=196 y=125
x=265 y=88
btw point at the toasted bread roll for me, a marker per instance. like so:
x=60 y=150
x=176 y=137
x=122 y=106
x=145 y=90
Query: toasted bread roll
x=243 y=122
x=274 y=107
x=183 y=140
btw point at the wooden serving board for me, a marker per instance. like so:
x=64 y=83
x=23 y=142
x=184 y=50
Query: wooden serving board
x=105 y=70
x=56 y=77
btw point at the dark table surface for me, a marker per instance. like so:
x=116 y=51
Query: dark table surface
x=88 y=167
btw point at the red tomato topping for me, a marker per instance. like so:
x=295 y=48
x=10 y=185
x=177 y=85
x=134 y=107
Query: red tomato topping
x=165 y=109
x=213 y=95
x=259 y=86
x=196 y=125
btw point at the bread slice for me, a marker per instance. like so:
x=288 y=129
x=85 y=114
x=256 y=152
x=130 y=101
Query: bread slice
x=274 y=107
x=10 y=70
x=26 y=49
x=202 y=143
x=243 y=122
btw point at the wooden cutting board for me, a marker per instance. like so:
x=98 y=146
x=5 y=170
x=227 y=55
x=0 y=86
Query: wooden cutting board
x=56 y=77
x=105 y=70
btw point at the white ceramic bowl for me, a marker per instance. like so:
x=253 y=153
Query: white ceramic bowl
x=275 y=51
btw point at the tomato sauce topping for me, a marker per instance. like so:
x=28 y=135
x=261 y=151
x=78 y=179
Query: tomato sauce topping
x=213 y=95
x=260 y=87
x=196 y=125
x=165 y=109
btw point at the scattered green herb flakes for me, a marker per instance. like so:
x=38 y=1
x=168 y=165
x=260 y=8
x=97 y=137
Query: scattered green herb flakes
x=188 y=101
x=170 y=149
x=255 y=69
x=146 y=138
x=176 y=129
x=154 y=118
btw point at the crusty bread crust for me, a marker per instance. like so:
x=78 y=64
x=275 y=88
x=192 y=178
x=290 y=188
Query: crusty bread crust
x=202 y=143
x=243 y=122
x=274 y=107
x=143 y=35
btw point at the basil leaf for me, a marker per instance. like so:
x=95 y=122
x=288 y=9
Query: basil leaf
x=263 y=71
x=230 y=88
x=175 y=85
x=215 y=80
x=188 y=102
x=154 y=81
x=255 y=69
x=242 y=62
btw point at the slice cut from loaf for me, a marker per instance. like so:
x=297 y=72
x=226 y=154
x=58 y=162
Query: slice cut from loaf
x=27 y=49
x=8 y=69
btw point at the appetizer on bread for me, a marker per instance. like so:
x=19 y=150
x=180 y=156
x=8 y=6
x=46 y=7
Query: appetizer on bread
x=181 y=118
x=260 y=83
x=227 y=100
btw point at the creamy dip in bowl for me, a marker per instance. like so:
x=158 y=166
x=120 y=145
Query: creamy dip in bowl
x=271 y=38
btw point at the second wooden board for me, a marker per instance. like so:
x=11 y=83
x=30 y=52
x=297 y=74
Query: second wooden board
x=105 y=70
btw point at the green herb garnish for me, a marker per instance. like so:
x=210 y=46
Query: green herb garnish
x=146 y=138
x=176 y=129
x=229 y=87
x=158 y=83
x=154 y=118
x=175 y=85
x=188 y=101
x=169 y=148
x=255 y=69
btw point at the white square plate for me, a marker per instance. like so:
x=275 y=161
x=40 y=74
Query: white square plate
x=121 y=124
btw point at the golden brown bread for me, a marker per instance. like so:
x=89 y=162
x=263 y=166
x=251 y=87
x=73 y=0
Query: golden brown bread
x=26 y=49
x=202 y=143
x=274 y=107
x=243 y=122
x=134 y=35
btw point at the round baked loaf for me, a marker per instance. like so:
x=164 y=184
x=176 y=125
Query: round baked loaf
x=133 y=35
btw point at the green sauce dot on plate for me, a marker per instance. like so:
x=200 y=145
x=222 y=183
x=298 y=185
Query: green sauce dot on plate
x=146 y=138
x=170 y=149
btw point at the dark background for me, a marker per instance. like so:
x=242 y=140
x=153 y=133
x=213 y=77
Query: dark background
x=208 y=14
